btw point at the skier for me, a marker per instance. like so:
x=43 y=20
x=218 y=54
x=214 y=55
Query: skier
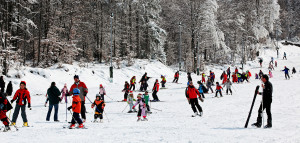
x=126 y=90
x=275 y=63
x=260 y=62
x=189 y=77
x=271 y=67
x=9 y=89
x=248 y=73
x=228 y=72
x=76 y=108
x=256 y=76
x=266 y=103
x=224 y=77
x=4 y=107
x=83 y=92
x=102 y=92
x=236 y=70
x=143 y=81
x=130 y=100
x=270 y=74
x=53 y=96
x=163 y=81
x=132 y=83
x=286 y=72
x=239 y=76
x=228 y=85
x=64 y=92
x=234 y=78
x=99 y=103
x=260 y=74
x=155 y=90
x=146 y=97
x=209 y=84
x=191 y=95
x=284 y=55
x=218 y=90
x=142 y=108
x=244 y=77
x=176 y=77
x=203 y=78
x=272 y=60
x=22 y=96
x=2 y=84
x=293 y=70
x=200 y=89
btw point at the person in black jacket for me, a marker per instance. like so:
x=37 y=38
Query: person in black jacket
x=54 y=99
x=9 y=89
x=266 y=104
x=2 y=84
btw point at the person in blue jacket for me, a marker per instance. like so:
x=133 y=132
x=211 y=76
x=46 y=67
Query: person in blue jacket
x=286 y=72
x=200 y=89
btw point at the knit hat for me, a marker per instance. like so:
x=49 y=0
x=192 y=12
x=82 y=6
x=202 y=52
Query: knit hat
x=23 y=82
x=76 y=76
x=65 y=85
x=101 y=85
x=139 y=95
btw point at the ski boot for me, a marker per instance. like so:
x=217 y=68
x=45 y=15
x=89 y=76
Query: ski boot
x=83 y=120
x=101 y=121
x=81 y=126
x=72 y=126
x=25 y=124
x=56 y=121
x=139 y=119
x=95 y=121
x=201 y=113
x=145 y=119
x=258 y=123
x=13 y=124
x=130 y=111
x=269 y=125
x=7 y=128
x=196 y=113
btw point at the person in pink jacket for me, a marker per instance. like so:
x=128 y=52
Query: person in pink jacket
x=142 y=108
x=102 y=91
x=64 y=93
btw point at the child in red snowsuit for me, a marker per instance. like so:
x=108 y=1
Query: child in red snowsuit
x=224 y=78
x=203 y=78
x=4 y=107
x=218 y=90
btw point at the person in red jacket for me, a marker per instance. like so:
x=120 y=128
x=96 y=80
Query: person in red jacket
x=22 y=96
x=203 y=78
x=132 y=82
x=83 y=92
x=155 y=90
x=126 y=90
x=4 y=107
x=234 y=78
x=176 y=77
x=191 y=95
x=218 y=89
x=224 y=78
x=76 y=108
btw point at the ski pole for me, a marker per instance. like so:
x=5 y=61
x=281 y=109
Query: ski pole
x=157 y=109
x=125 y=108
x=66 y=112
x=106 y=115
x=110 y=98
x=13 y=125
x=262 y=108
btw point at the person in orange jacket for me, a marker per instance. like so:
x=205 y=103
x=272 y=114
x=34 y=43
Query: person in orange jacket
x=155 y=90
x=191 y=95
x=99 y=104
x=76 y=108
x=22 y=96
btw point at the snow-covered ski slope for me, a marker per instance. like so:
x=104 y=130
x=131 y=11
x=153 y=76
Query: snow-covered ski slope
x=223 y=119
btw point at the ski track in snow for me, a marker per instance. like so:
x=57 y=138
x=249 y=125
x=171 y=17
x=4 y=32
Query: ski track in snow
x=223 y=119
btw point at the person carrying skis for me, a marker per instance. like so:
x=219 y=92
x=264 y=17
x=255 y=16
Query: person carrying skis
x=203 y=78
x=4 y=107
x=64 y=93
x=286 y=72
x=228 y=72
x=155 y=90
x=176 y=77
x=76 y=108
x=146 y=97
x=9 y=89
x=2 y=84
x=163 y=81
x=293 y=70
x=219 y=90
x=284 y=56
x=83 y=93
x=99 y=104
x=266 y=103
x=132 y=83
x=22 y=96
x=142 y=108
x=191 y=95
x=102 y=92
x=200 y=89
x=228 y=85
x=53 y=96
x=126 y=90
x=130 y=100
x=209 y=84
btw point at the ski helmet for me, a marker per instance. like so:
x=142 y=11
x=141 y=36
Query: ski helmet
x=76 y=91
x=97 y=95
x=76 y=76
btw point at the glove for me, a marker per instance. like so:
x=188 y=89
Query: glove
x=59 y=99
x=201 y=99
x=84 y=93
x=67 y=94
x=29 y=105
x=144 y=105
x=133 y=107
x=69 y=108
x=45 y=104
x=11 y=101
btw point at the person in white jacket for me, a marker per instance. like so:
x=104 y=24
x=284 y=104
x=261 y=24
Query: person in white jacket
x=102 y=91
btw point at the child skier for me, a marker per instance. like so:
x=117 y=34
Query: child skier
x=102 y=92
x=163 y=81
x=228 y=85
x=130 y=100
x=146 y=97
x=200 y=89
x=270 y=74
x=132 y=83
x=126 y=90
x=76 y=108
x=203 y=78
x=224 y=77
x=209 y=84
x=4 y=107
x=176 y=77
x=293 y=70
x=142 y=108
x=286 y=72
x=64 y=93
x=256 y=76
x=22 y=96
x=99 y=103
x=155 y=90
x=218 y=90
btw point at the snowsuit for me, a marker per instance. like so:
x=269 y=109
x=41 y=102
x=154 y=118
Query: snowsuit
x=76 y=108
x=83 y=92
x=239 y=76
x=163 y=81
x=270 y=74
x=256 y=76
x=53 y=96
x=191 y=95
x=130 y=102
x=286 y=72
x=155 y=90
x=132 y=83
x=209 y=84
x=236 y=70
x=267 y=101
x=224 y=78
x=64 y=92
x=212 y=77
x=146 y=97
x=142 y=107
x=234 y=78
x=99 y=108
x=228 y=85
x=9 y=89
x=144 y=84
x=176 y=77
x=126 y=90
x=22 y=96
x=200 y=89
x=219 y=90
x=102 y=92
x=203 y=78
x=228 y=72
x=4 y=107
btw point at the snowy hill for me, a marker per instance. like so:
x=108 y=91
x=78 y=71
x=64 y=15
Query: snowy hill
x=223 y=118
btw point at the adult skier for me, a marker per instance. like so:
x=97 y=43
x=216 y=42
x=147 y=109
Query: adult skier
x=155 y=90
x=76 y=108
x=260 y=62
x=22 y=96
x=143 y=81
x=126 y=90
x=132 y=83
x=286 y=72
x=228 y=72
x=2 y=84
x=176 y=77
x=54 y=99
x=191 y=95
x=266 y=103
x=9 y=89
x=83 y=93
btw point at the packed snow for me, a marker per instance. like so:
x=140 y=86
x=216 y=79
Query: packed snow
x=222 y=121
